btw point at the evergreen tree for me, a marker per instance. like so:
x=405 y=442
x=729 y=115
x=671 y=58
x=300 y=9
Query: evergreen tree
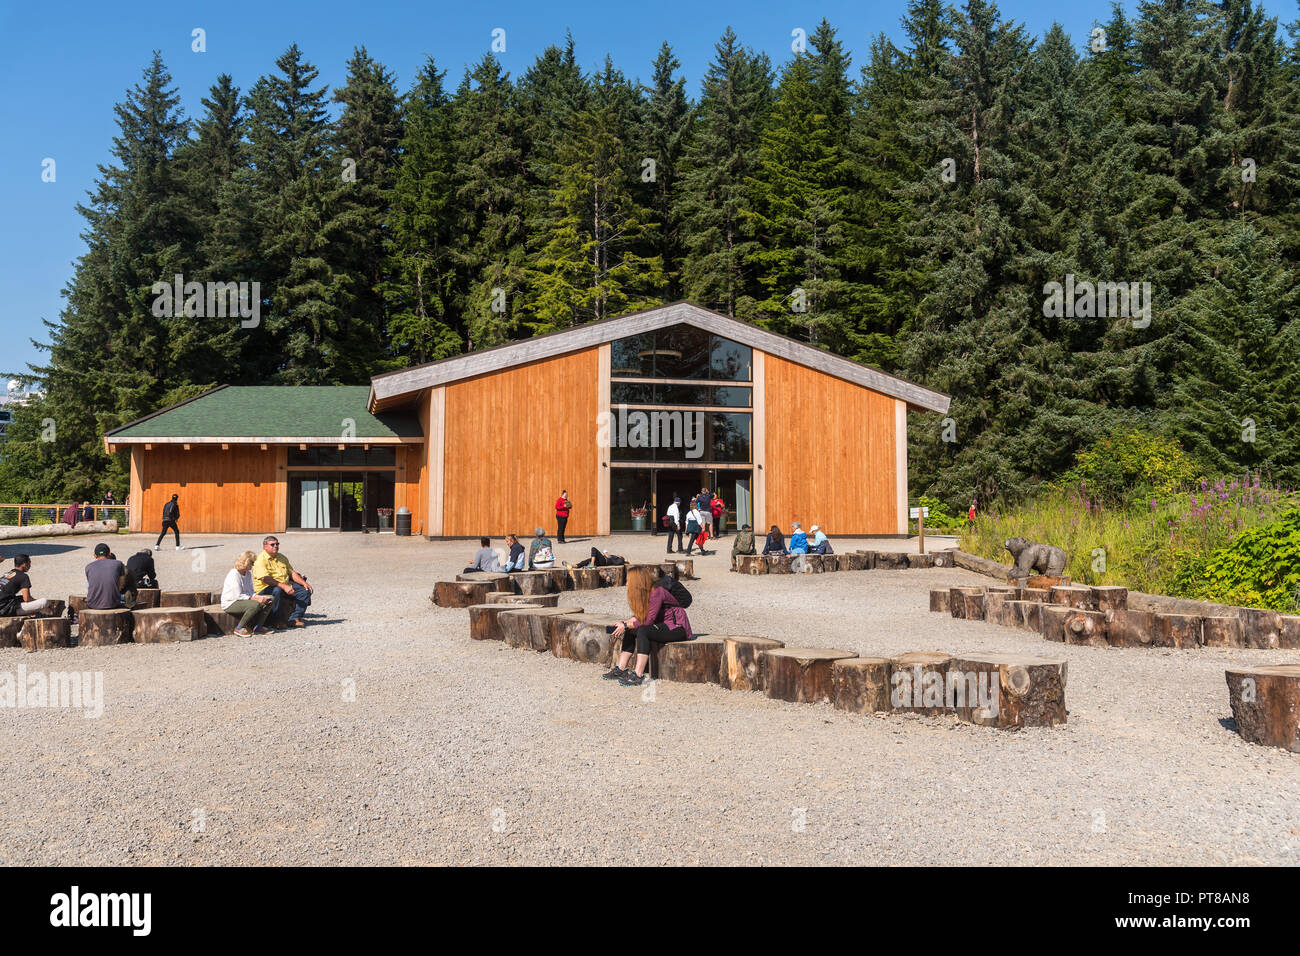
x=665 y=119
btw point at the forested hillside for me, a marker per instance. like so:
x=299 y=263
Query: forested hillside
x=907 y=207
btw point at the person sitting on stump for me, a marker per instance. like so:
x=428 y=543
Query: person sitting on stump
x=798 y=539
x=665 y=623
x=743 y=544
x=775 y=542
x=276 y=577
x=540 y=555
x=142 y=569
x=485 y=559
x=16 y=590
x=105 y=580
x=240 y=599
x=820 y=543
x=515 y=560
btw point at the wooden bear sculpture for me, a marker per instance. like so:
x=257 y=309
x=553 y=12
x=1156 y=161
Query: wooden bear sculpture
x=1034 y=558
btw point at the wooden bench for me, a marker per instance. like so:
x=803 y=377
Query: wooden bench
x=741 y=667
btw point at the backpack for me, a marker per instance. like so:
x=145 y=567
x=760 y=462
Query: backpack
x=543 y=556
x=679 y=592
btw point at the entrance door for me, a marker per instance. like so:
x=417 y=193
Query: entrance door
x=340 y=501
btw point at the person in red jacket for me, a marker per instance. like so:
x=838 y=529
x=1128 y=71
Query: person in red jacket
x=562 y=508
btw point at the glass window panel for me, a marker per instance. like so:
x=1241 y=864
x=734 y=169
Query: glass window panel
x=729 y=436
x=633 y=356
x=684 y=394
x=382 y=456
x=626 y=393
x=730 y=395
x=731 y=361
x=682 y=351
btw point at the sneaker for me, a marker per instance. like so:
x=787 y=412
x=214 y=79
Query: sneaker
x=180 y=547
x=631 y=679
x=614 y=673
x=243 y=632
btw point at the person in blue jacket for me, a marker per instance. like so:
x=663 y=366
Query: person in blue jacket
x=798 y=540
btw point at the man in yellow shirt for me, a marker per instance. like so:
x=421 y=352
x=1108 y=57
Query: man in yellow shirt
x=275 y=576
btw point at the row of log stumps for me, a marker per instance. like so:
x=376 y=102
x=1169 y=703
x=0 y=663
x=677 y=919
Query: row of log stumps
x=158 y=617
x=852 y=561
x=996 y=690
x=1099 y=616
x=474 y=588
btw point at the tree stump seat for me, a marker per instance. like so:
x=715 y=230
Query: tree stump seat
x=586 y=579
x=966 y=603
x=741 y=667
x=169 y=625
x=148 y=597
x=509 y=597
x=1265 y=704
x=778 y=564
x=613 y=575
x=483 y=624
x=696 y=661
x=500 y=581
x=45 y=633
x=529 y=627
x=104 y=628
x=9 y=629
x=218 y=622
x=454 y=593
x=860 y=685
x=800 y=674
x=751 y=564
x=940 y=599
x=577 y=636
x=185 y=598
x=1008 y=691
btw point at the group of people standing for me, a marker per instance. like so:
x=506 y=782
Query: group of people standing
x=696 y=522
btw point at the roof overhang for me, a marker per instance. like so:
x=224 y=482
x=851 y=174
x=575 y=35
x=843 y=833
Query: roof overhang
x=332 y=440
x=394 y=389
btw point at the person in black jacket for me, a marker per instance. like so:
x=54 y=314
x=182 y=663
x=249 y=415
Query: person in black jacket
x=171 y=515
x=140 y=565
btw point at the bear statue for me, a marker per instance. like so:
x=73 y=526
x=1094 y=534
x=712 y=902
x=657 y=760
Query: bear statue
x=1035 y=558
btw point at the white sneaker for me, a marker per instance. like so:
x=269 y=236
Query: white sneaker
x=180 y=547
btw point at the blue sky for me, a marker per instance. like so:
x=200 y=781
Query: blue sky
x=66 y=65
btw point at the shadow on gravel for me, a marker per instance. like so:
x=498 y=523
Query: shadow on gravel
x=35 y=549
x=1228 y=723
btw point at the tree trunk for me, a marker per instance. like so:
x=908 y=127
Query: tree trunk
x=689 y=662
x=890 y=560
x=529 y=626
x=777 y=563
x=800 y=674
x=483 y=624
x=860 y=685
x=741 y=667
x=940 y=599
x=916 y=682
x=1051 y=622
x=942 y=559
x=1040 y=595
x=1086 y=628
x=1072 y=595
x=168 y=625
x=1108 y=598
x=534 y=582
x=9 y=629
x=148 y=597
x=613 y=575
x=536 y=600
x=218 y=622
x=185 y=598
x=1129 y=628
x=1176 y=630
x=1029 y=615
x=1265 y=704
x=920 y=560
x=751 y=564
x=499 y=582
x=1023 y=691
x=967 y=603
x=44 y=633
x=582 y=637
x=855 y=561
x=102 y=628
x=460 y=593
x=1222 y=631
x=586 y=579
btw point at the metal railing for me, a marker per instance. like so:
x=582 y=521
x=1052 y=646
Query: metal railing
x=22 y=515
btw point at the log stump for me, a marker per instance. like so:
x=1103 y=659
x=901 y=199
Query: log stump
x=536 y=600
x=1026 y=614
x=1221 y=631
x=1265 y=704
x=1289 y=633
x=1260 y=628
x=148 y=597
x=1107 y=597
x=1176 y=630
x=751 y=564
x=1018 y=691
x=860 y=685
x=499 y=580
x=219 y=623
x=185 y=598
x=613 y=575
x=939 y=600
x=529 y=627
x=1035 y=594
x=103 y=628
x=1087 y=628
x=1051 y=621
x=868 y=559
x=696 y=661
x=585 y=579
x=45 y=633
x=582 y=637
x=920 y=560
x=483 y=624
x=801 y=675
x=53 y=609
x=994 y=603
x=890 y=560
x=561 y=580
x=76 y=604
x=1043 y=582
x=682 y=568
x=779 y=563
x=741 y=667
x=966 y=603
x=168 y=625
x=942 y=559
x=1071 y=595
x=9 y=628
x=641 y=580
x=1130 y=628
x=459 y=593
x=916 y=682
x=853 y=561
x=533 y=582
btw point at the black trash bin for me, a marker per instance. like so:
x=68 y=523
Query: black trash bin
x=404 y=521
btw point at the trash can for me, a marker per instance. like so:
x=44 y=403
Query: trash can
x=404 y=521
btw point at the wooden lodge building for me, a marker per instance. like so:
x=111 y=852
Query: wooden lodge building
x=622 y=412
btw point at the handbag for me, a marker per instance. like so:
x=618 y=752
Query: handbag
x=667 y=521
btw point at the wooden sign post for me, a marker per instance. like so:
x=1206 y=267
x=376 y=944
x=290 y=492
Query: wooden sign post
x=919 y=514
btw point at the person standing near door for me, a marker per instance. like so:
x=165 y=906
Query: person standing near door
x=562 y=508
x=171 y=515
x=673 y=523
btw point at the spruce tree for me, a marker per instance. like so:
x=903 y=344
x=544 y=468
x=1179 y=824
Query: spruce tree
x=665 y=118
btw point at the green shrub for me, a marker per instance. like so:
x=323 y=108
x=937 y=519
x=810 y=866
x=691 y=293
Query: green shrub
x=1261 y=568
x=1130 y=468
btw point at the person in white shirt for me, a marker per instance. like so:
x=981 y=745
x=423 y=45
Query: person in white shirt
x=240 y=598
x=675 y=513
x=694 y=525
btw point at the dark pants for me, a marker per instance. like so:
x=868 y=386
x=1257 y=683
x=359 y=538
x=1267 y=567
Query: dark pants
x=677 y=530
x=691 y=540
x=562 y=521
x=301 y=600
x=163 y=533
x=647 y=633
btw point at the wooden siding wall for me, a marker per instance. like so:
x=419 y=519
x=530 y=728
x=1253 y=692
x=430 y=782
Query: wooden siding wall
x=232 y=491
x=513 y=439
x=830 y=453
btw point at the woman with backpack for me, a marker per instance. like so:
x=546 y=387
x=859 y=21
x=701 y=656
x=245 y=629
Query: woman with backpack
x=693 y=528
x=665 y=623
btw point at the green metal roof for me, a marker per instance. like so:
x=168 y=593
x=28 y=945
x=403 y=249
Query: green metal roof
x=271 y=411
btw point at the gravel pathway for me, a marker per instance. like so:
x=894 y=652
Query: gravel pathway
x=246 y=751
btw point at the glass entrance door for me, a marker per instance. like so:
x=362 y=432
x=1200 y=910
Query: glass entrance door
x=630 y=487
x=339 y=501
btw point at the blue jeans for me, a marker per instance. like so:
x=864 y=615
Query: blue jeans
x=301 y=600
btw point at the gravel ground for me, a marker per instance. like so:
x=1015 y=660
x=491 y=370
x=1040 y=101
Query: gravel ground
x=471 y=752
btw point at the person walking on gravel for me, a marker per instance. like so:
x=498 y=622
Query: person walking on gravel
x=665 y=623
x=171 y=515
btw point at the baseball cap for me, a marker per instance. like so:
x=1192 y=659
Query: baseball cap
x=816 y=527
x=101 y=550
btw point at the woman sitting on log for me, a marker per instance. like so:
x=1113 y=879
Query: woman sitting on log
x=240 y=599
x=516 y=559
x=665 y=623
x=775 y=542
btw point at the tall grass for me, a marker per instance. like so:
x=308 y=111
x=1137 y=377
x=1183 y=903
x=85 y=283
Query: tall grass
x=1142 y=548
